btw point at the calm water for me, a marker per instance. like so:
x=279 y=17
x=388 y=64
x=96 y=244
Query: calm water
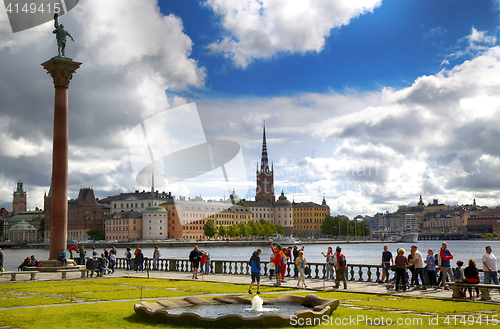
x=245 y=310
x=363 y=253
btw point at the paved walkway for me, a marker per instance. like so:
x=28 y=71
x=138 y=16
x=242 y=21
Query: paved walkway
x=312 y=284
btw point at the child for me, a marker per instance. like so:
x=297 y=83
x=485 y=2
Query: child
x=301 y=265
x=271 y=266
x=458 y=272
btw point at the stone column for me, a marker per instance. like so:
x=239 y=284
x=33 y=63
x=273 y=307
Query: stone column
x=61 y=70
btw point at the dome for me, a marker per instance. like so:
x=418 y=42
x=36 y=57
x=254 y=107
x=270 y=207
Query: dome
x=282 y=201
x=155 y=209
x=23 y=226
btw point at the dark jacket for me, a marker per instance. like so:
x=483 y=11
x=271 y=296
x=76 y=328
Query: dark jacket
x=471 y=274
x=195 y=255
x=139 y=258
x=255 y=262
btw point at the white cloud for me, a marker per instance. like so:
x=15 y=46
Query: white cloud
x=263 y=28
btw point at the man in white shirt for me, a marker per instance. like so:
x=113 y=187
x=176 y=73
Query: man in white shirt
x=489 y=266
x=419 y=267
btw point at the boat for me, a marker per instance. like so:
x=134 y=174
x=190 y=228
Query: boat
x=407 y=236
x=285 y=240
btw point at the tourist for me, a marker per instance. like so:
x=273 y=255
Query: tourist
x=103 y=265
x=329 y=263
x=489 y=266
x=62 y=258
x=128 y=258
x=387 y=262
x=1 y=261
x=94 y=252
x=430 y=262
x=445 y=264
x=113 y=251
x=83 y=252
x=301 y=263
x=255 y=270
x=411 y=267
x=136 y=250
x=156 y=258
x=295 y=253
x=112 y=262
x=471 y=275
x=194 y=258
x=272 y=267
x=139 y=260
x=458 y=272
x=278 y=260
x=340 y=265
x=33 y=261
x=202 y=262
x=401 y=263
x=207 y=262
x=106 y=253
x=418 y=262
x=288 y=257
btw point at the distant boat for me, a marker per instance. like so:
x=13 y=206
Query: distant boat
x=406 y=237
x=285 y=240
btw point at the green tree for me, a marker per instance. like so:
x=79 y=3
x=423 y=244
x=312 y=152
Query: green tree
x=209 y=228
x=243 y=229
x=222 y=231
x=329 y=226
x=242 y=203
x=280 y=230
x=96 y=233
x=233 y=231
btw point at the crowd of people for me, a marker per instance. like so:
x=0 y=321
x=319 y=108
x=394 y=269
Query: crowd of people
x=410 y=268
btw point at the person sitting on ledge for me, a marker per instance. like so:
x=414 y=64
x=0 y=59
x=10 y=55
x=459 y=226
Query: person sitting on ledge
x=62 y=258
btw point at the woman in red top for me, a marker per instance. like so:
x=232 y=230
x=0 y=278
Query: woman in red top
x=277 y=262
x=471 y=275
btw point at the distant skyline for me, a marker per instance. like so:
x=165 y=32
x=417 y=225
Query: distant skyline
x=370 y=103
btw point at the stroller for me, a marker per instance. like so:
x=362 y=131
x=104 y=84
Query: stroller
x=391 y=285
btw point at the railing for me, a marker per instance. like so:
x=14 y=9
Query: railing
x=356 y=272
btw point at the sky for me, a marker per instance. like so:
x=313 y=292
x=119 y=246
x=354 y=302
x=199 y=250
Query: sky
x=367 y=103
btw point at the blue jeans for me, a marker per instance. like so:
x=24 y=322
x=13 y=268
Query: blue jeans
x=489 y=276
x=419 y=272
x=329 y=271
x=82 y=260
x=129 y=267
x=207 y=267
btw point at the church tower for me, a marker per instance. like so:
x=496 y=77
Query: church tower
x=19 y=201
x=265 y=176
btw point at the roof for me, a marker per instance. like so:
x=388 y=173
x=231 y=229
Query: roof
x=282 y=201
x=137 y=195
x=22 y=226
x=155 y=209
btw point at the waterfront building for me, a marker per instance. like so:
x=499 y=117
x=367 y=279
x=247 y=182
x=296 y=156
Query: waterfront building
x=22 y=232
x=155 y=223
x=137 y=201
x=308 y=217
x=123 y=226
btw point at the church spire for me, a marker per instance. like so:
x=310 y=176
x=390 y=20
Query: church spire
x=264 y=162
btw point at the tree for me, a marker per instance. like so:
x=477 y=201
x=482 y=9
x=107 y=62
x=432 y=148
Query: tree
x=96 y=233
x=243 y=229
x=209 y=229
x=233 y=231
x=328 y=226
x=242 y=203
x=280 y=230
x=222 y=231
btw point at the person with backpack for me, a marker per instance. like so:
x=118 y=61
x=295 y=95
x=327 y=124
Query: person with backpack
x=445 y=264
x=340 y=265
x=128 y=258
x=255 y=270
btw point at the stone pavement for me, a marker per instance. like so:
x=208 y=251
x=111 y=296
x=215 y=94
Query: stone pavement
x=244 y=280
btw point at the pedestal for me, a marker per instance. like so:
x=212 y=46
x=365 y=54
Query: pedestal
x=61 y=70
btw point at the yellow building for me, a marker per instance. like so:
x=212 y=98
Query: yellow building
x=308 y=217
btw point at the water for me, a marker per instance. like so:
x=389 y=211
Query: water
x=356 y=253
x=215 y=310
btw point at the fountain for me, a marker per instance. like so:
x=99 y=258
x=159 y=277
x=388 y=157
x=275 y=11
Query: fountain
x=237 y=310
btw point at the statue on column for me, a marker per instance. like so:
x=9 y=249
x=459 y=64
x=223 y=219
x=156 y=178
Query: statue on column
x=61 y=35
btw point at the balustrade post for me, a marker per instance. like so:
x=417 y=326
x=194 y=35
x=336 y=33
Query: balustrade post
x=360 y=273
x=369 y=273
x=352 y=273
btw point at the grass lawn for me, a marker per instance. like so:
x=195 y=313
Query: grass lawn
x=110 y=303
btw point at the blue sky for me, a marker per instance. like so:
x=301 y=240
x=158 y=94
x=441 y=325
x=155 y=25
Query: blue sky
x=369 y=103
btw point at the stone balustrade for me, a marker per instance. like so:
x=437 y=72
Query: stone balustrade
x=356 y=272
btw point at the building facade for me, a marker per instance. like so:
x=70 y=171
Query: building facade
x=19 y=202
x=264 y=191
x=155 y=223
x=124 y=226
x=308 y=217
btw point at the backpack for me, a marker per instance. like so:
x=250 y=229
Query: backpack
x=341 y=260
x=283 y=259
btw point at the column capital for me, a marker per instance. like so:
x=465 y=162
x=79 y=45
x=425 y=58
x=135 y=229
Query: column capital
x=61 y=70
